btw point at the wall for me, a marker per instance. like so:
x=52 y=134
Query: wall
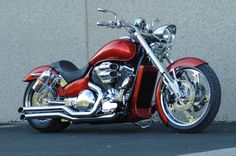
x=36 y=32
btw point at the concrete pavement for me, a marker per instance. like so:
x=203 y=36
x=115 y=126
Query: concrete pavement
x=116 y=139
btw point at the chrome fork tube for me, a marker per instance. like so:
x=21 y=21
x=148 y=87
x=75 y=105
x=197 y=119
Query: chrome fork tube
x=171 y=82
x=168 y=58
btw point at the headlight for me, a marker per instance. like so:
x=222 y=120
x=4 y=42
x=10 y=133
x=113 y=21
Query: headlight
x=165 y=33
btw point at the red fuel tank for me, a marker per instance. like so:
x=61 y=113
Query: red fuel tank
x=117 y=50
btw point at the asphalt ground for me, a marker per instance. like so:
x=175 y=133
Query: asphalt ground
x=19 y=139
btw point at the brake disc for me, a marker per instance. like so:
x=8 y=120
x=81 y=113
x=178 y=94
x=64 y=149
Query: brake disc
x=189 y=93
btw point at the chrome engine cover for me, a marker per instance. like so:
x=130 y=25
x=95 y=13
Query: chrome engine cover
x=114 y=80
x=83 y=102
x=107 y=72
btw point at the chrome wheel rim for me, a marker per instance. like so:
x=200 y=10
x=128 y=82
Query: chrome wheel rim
x=36 y=100
x=182 y=112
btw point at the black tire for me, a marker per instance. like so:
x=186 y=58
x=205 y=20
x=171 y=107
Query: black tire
x=213 y=107
x=52 y=125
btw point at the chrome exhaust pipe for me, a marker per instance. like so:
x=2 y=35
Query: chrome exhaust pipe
x=20 y=110
x=47 y=115
x=22 y=117
x=66 y=112
x=67 y=117
x=72 y=113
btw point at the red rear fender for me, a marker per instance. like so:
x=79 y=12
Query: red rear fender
x=190 y=62
x=72 y=89
x=37 y=70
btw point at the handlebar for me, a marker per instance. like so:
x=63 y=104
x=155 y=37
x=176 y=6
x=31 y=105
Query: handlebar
x=111 y=24
x=103 y=23
x=121 y=23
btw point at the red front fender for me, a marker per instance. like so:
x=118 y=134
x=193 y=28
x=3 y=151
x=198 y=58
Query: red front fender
x=190 y=62
x=38 y=70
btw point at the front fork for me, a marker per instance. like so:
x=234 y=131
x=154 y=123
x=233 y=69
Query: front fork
x=170 y=81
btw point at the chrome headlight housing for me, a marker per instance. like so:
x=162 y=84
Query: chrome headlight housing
x=165 y=34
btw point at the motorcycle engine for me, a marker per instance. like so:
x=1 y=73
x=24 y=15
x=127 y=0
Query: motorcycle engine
x=84 y=102
x=113 y=79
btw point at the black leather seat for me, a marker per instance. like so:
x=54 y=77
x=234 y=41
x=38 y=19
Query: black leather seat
x=69 y=71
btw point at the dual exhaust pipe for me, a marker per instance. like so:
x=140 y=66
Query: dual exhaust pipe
x=67 y=117
x=65 y=112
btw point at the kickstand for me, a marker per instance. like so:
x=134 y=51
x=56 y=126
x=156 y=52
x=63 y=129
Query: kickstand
x=144 y=123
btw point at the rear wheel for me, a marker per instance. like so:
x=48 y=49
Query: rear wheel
x=201 y=101
x=31 y=99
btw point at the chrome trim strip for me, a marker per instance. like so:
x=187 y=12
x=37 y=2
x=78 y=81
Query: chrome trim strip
x=36 y=74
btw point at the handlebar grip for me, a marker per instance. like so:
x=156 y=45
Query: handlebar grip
x=110 y=24
x=103 y=23
x=101 y=10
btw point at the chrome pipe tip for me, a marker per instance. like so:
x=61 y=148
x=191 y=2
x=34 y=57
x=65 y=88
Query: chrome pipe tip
x=22 y=117
x=20 y=110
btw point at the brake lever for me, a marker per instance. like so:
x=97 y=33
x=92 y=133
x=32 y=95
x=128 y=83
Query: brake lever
x=108 y=11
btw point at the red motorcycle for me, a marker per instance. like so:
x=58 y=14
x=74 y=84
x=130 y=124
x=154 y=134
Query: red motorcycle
x=118 y=83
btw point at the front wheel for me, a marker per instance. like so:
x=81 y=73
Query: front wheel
x=201 y=101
